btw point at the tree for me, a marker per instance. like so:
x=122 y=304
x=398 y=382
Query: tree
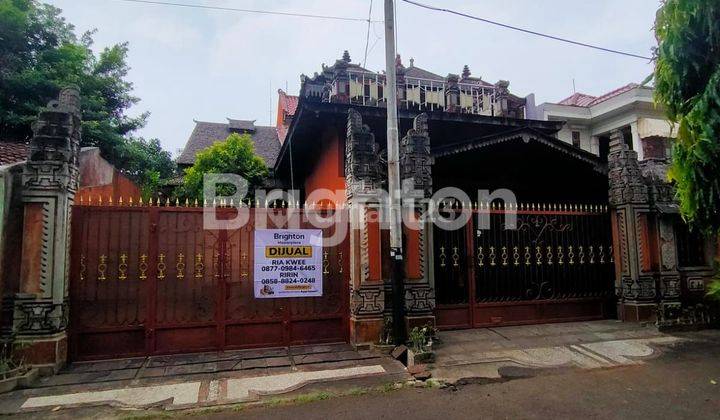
x=687 y=83
x=235 y=155
x=40 y=54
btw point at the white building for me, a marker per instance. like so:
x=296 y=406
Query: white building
x=590 y=120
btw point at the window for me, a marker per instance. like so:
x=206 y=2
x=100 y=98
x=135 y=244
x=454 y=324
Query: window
x=627 y=136
x=576 y=138
x=690 y=247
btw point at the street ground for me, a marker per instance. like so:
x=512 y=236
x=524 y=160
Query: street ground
x=603 y=369
x=680 y=384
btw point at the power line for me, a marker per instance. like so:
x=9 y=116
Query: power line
x=527 y=31
x=234 y=9
x=367 y=37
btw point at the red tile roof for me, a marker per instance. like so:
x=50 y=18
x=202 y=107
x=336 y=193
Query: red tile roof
x=12 y=152
x=288 y=103
x=578 y=99
x=581 y=99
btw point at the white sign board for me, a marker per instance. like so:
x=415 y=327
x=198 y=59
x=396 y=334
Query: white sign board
x=288 y=263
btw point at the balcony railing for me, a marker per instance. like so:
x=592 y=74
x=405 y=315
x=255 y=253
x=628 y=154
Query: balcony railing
x=417 y=93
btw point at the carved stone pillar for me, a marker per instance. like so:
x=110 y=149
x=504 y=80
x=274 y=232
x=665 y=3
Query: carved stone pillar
x=501 y=102
x=50 y=179
x=629 y=202
x=415 y=172
x=362 y=179
x=452 y=94
x=666 y=216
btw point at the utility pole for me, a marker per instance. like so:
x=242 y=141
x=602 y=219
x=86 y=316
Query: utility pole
x=396 y=242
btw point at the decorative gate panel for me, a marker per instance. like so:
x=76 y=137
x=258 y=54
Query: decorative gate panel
x=557 y=265
x=150 y=280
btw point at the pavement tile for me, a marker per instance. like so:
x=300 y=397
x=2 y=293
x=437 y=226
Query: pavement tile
x=253 y=363
x=321 y=348
x=310 y=358
x=153 y=372
x=191 y=369
x=102 y=366
x=258 y=353
x=278 y=361
x=228 y=364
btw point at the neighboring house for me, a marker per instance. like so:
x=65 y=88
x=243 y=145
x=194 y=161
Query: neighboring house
x=99 y=178
x=590 y=119
x=287 y=104
x=12 y=152
x=265 y=139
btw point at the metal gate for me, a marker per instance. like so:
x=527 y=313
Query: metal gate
x=150 y=280
x=557 y=265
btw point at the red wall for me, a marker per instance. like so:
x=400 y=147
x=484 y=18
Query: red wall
x=121 y=187
x=328 y=171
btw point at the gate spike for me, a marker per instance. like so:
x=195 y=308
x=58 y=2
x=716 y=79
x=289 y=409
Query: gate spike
x=130 y=201
x=110 y=201
x=140 y=202
x=120 y=202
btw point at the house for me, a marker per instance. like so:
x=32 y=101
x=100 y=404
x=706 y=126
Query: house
x=630 y=109
x=548 y=231
x=598 y=230
x=265 y=139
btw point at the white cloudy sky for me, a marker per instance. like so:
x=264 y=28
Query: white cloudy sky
x=207 y=65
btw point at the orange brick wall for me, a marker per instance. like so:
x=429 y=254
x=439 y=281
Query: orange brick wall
x=328 y=171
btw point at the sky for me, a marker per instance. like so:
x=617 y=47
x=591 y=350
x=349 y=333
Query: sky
x=208 y=65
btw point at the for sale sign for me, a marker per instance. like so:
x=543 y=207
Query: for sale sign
x=288 y=263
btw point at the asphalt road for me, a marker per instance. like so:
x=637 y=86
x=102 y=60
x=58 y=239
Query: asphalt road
x=677 y=385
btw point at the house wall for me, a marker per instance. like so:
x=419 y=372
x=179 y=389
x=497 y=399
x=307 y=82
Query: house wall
x=98 y=178
x=120 y=186
x=328 y=171
x=634 y=109
x=565 y=134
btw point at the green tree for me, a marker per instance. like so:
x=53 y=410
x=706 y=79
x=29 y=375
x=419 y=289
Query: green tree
x=235 y=155
x=687 y=83
x=40 y=54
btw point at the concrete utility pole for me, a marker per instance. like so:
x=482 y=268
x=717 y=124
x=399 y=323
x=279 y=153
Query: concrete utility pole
x=396 y=242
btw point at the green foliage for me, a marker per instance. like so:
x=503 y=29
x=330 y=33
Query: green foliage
x=40 y=54
x=713 y=290
x=235 y=155
x=420 y=337
x=687 y=82
x=146 y=162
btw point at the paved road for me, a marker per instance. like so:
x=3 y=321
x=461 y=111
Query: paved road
x=676 y=385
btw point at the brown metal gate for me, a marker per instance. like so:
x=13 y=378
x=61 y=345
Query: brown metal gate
x=150 y=280
x=557 y=265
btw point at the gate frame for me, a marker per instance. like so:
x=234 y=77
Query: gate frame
x=220 y=318
x=473 y=308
